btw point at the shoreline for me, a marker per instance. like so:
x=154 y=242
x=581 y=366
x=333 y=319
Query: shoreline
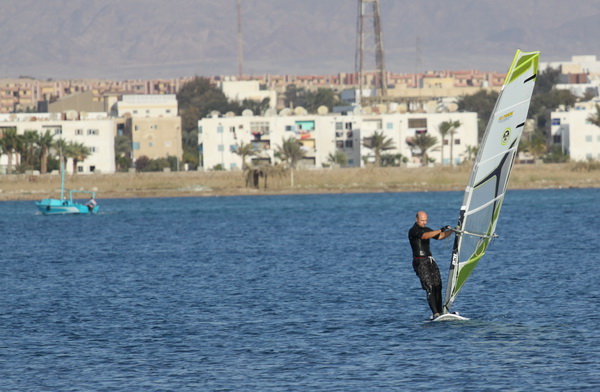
x=316 y=181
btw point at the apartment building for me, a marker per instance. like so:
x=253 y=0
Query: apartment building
x=153 y=124
x=574 y=133
x=93 y=130
x=323 y=135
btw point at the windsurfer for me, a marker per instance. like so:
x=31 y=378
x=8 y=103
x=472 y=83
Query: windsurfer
x=423 y=262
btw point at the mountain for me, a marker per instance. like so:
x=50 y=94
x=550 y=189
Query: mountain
x=142 y=39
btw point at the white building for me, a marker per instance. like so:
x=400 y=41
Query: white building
x=238 y=90
x=322 y=135
x=574 y=133
x=137 y=105
x=93 y=130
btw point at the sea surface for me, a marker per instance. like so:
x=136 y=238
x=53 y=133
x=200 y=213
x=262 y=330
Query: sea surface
x=296 y=293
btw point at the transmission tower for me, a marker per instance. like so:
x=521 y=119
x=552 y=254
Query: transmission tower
x=369 y=63
x=240 y=43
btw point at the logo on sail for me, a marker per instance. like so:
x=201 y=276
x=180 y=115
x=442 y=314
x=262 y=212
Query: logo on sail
x=505 y=116
x=505 y=136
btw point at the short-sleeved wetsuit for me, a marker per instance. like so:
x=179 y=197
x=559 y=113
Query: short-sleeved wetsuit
x=425 y=267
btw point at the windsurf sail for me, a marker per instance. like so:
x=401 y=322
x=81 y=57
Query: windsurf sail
x=487 y=184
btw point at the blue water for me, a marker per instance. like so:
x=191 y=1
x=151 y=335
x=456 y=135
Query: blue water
x=295 y=293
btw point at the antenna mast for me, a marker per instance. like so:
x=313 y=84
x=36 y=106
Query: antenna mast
x=370 y=42
x=240 y=50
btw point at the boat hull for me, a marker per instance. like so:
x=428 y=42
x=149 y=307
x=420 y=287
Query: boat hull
x=67 y=207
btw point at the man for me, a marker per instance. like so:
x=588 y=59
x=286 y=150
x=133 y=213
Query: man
x=423 y=262
x=91 y=204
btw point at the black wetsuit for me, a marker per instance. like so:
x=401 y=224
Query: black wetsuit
x=425 y=267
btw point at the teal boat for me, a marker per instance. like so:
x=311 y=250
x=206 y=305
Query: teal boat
x=70 y=205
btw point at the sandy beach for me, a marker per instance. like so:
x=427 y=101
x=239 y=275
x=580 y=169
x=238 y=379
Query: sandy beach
x=221 y=183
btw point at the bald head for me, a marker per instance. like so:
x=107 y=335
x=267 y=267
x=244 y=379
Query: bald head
x=421 y=219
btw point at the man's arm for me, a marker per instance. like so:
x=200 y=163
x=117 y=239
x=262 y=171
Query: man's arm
x=441 y=233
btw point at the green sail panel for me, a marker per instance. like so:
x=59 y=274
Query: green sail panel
x=485 y=190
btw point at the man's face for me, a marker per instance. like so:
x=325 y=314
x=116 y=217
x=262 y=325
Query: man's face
x=422 y=220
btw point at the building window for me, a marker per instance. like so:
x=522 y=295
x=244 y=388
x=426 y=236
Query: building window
x=93 y=149
x=220 y=129
x=135 y=145
x=200 y=130
x=79 y=132
x=348 y=125
x=137 y=127
x=259 y=127
x=588 y=138
x=557 y=139
x=80 y=169
x=339 y=144
x=150 y=144
x=339 y=125
x=456 y=141
x=92 y=169
x=349 y=144
x=92 y=132
x=390 y=125
x=417 y=123
x=220 y=148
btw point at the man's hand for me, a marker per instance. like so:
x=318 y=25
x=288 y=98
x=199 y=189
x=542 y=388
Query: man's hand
x=445 y=228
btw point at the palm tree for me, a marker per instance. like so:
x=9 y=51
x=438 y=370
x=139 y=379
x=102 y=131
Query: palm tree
x=12 y=144
x=291 y=153
x=122 y=152
x=45 y=142
x=454 y=125
x=595 y=118
x=62 y=149
x=378 y=143
x=339 y=158
x=471 y=152
x=244 y=150
x=79 y=152
x=444 y=129
x=424 y=142
x=29 y=141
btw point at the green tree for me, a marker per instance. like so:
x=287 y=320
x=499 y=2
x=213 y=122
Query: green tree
x=78 y=152
x=595 y=118
x=197 y=99
x=378 y=142
x=29 y=142
x=322 y=97
x=482 y=103
x=448 y=128
x=291 y=153
x=122 y=153
x=12 y=144
x=471 y=152
x=338 y=158
x=45 y=142
x=425 y=143
x=62 y=148
x=244 y=150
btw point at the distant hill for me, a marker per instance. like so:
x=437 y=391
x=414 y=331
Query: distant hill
x=128 y=39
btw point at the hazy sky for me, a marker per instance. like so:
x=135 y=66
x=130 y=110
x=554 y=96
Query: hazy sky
x=127 y=39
